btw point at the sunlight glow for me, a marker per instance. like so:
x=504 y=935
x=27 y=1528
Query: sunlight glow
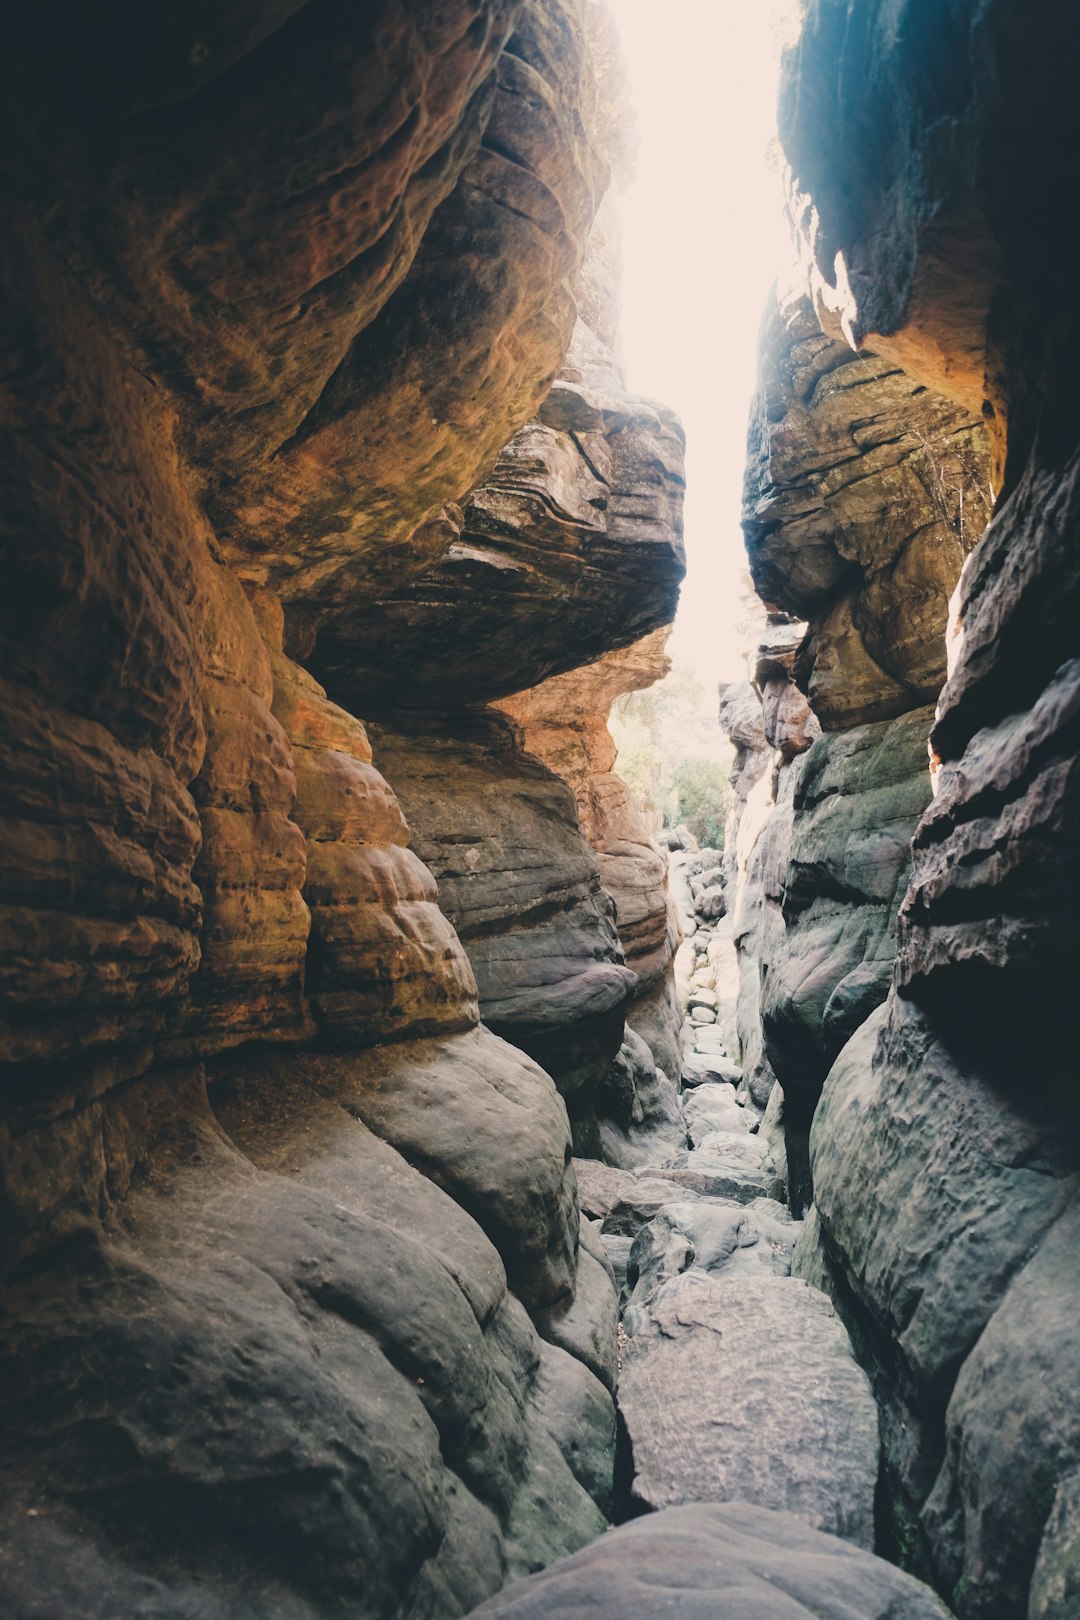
x=704 y=238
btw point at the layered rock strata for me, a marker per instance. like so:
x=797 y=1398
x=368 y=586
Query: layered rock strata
x=771 y=726
x=573 y=544
x=277 y=1208
x=564 y=722
x=954 y=1100
x=865 y=490
x=523 y=888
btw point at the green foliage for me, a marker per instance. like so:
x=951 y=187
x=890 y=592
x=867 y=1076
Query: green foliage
x=703 y=793
x=673 y=754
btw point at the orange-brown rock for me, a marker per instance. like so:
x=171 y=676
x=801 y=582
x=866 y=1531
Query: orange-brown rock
x=573 y=544
x=383 y=962
x=267 y=1341
x=864 y=492
x=564 y=723
x=308 y=249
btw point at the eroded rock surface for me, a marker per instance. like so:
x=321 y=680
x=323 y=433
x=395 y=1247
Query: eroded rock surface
x=711 y=1559
x=277 y=1208
x=856 y=802
x=524 y=891
x=573 y=544
x=734 y=1356
x=564 y=723
x=955 y=1101
x=865 y=491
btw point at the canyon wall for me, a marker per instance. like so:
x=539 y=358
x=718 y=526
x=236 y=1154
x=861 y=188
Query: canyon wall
x=300 y=1317
x=919 y=919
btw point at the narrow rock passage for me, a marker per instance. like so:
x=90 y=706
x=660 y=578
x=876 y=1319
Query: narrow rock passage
x=737 y=1379
x=749 y=1429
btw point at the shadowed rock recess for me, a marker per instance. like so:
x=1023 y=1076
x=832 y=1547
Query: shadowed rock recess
x=345 y=1089
x=299 y=1316
x=908 y=936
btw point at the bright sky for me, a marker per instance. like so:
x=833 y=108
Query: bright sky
x=704 y=238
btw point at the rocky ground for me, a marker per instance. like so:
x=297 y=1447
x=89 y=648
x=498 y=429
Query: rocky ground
x=336 y=964
x=737 y=1384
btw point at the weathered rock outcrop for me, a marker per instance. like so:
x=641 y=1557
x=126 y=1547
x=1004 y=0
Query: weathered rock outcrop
x=564 y=723
x=955 y=1101
x=865 y=490
x=856 y=799
x=278 y=284
x=572 y=544
x=772 y=726
x=207 y=1324
x=523 y=889
x=301 y=223
x=832 y=866
x=711 y=1559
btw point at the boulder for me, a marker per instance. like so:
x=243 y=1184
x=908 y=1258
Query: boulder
x=711 y=903
x=702 y=1066
x=638 y=1110
x=713 y=1559
x=711 y=1107
x=711 y=1236
x=744 y=1384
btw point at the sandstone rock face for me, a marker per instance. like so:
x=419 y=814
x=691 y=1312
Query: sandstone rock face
x=759 y=839
x=305 y=297
x=828 y=957
x=956 y=1101
x=258 y=1257
x=864 y=493
x=717 y=1558
x=573 y=543
x=383 y=959
x=523 y=889
x=290 y=1242
x=994 y=1182
x=564 y=723
x=639 y=1115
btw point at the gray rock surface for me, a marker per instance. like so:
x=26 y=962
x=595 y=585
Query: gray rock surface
x=946 y=1284
x=948 y=1150
x=586 y=1328
x=712 y=1106
x=1012 y=1439
x=579 y=1413
x=642 y=1197
x=293 y=1271
x=564 y=723
x=857 y=801
x=744 y=1385
x=699 y=1068
x=522 y=886
x=714 y=1560
x=711 y=1236
x=1055 y=1585
x=600 y=1187
x=638 y=1109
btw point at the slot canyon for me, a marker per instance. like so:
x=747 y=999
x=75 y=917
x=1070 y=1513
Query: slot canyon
x=428 y=1185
